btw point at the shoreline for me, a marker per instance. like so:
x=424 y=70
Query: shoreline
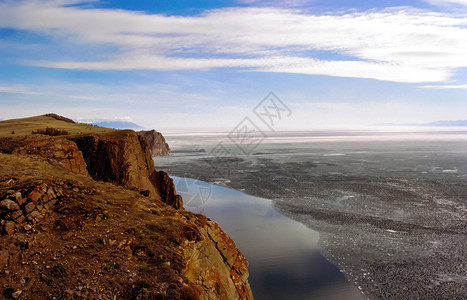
x=275 y=245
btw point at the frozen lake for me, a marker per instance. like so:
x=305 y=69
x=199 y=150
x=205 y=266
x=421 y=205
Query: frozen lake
x=390 y=208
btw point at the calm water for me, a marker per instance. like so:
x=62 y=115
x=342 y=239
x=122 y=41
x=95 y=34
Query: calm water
x=282 y=253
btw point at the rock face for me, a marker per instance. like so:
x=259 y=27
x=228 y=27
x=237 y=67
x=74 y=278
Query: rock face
x=167 y=190
x=125 y=158
x=55 y=150
x=156 y=141
x=122 y=157
x=216 y=265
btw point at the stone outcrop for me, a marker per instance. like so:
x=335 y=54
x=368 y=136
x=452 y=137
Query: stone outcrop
x=167 y=190
x=156 y=141
x=55 y=150
x=215 y=265
x=60 y=118
x=121 y=157
x=21 y=209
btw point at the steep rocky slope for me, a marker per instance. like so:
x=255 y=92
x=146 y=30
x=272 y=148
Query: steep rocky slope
x=66 y=233
x=157 y=144
x=121 y=157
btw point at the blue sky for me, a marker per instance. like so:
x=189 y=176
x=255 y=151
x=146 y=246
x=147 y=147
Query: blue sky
x=206 y=64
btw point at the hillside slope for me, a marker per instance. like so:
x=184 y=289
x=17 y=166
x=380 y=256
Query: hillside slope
x=25 y=126
x=65 y=233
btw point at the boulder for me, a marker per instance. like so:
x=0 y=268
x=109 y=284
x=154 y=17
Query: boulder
x=8 y=204
x=29 y=207
x=4 y=257
x=19 y=198
x=10 y=228
x=15 y=215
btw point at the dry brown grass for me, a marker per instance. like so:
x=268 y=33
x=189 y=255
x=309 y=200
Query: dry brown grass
x=77 y=249
x=28 y=125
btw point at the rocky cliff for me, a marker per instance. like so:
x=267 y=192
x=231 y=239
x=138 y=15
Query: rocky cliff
x=88 y=216
x=55 y=150
x=156 y=141
x=217 y=266
x=121 y=157
x=124 y=157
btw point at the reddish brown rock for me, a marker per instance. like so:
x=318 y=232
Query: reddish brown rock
x=10 y=228
x=50 y=204
x=167 y=190
x=156 y=141
x=8 y=204
x=34 y=214
x=34 y=195
x=121 y=157
x=37 y=193
x=216 y=267
x=15 y=215
x=4 y=258
x=19 y=198
x=55 y=150
x=20 y=219
x=124 y=158
x=29 y=207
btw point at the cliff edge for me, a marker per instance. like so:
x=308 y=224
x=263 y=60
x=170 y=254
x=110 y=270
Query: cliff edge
x=156 y=141
x=88 y=216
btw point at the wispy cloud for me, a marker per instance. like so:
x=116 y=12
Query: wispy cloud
x=113 y=119
x=447 y=2
x=399 y=44
x=55 y=90
x=275 y=3
x=449 y=86
x=17 y=89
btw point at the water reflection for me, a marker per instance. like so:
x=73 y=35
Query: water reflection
x=283 y=256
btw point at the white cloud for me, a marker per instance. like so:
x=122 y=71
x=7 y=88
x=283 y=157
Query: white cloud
x=447 y=2
x=277 y=3
x=17 y=89
x=112 y=119
x=448 y=86
x=56 y=89
x=399 y=44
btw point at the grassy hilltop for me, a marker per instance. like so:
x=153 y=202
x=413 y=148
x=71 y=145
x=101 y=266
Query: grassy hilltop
x=28 y=125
